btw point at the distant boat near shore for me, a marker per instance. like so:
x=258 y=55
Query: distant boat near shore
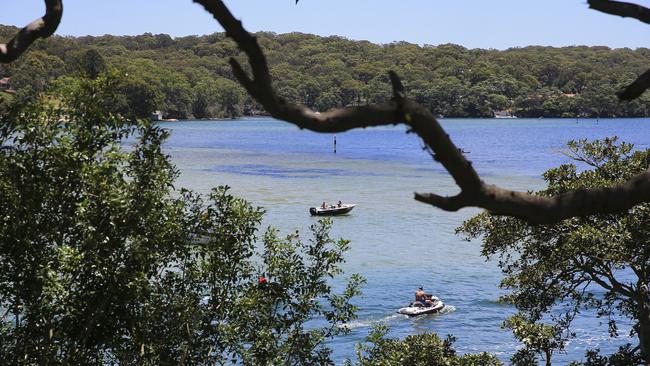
x=158 y=116
x=504 y=115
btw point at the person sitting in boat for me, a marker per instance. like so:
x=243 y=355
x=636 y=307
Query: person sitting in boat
x=422 y=298
x=339 y=204
x=324 y=205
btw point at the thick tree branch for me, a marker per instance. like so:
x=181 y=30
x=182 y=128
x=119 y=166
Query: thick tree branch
x=545 y=210
x=617 y=286
x=474 y=192
x=39 y=28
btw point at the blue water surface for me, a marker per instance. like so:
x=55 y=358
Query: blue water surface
x=524 y=146
x=397 y=243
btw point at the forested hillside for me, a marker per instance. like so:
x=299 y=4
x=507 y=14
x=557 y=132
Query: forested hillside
x=189 y=77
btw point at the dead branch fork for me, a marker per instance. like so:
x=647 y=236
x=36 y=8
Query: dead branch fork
x=40 y=28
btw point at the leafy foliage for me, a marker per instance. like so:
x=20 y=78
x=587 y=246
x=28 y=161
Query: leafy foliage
x=93 y=64
x=416 y=350
x=598 y=262
x=537 y=339
x=625 y=356
x=103 y=262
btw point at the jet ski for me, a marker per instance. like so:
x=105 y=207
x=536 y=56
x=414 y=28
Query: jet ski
x=416 y=308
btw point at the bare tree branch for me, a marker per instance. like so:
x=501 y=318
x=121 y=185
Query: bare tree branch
x=545 y=210
x=626 y=10
x=474 y=192
x=39 y=28
x=642 y=83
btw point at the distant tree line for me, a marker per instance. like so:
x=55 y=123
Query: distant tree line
x=189 y=77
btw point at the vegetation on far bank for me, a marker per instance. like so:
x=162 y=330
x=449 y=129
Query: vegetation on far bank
x=189 y=77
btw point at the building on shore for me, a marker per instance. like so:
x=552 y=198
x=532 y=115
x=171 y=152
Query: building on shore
x=157 y=116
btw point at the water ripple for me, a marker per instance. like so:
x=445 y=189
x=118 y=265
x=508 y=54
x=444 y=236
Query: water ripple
x=287 y=172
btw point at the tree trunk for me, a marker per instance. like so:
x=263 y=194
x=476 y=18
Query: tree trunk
x=644 y=333
x=548 y=357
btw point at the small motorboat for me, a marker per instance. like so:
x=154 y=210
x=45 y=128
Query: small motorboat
x=415 y=309
x=332 y=210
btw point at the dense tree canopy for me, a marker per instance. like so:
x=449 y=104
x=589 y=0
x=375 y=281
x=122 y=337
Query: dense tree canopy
x=190 y=76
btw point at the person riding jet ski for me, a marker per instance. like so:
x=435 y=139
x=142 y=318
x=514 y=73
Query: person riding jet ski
x=422 y=298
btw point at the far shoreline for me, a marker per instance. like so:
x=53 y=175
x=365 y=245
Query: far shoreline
x=257 y=116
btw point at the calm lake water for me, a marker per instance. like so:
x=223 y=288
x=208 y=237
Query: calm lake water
x=397 y=243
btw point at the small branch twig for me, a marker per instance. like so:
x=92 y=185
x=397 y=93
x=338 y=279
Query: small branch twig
x=474 y=192
x=629 y=10
x=625 y=10
x=634 y=90
x=39 y=28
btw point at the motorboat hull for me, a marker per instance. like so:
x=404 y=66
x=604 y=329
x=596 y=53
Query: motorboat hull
x=331 y=211
x=422 y=310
